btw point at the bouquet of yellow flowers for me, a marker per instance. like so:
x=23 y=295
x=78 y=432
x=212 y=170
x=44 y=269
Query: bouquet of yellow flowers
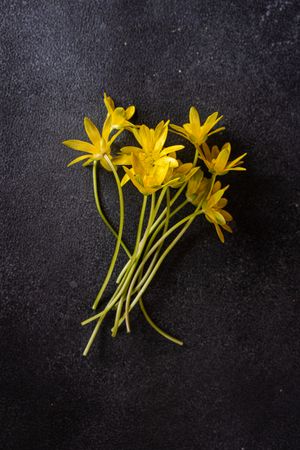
x=157 y=172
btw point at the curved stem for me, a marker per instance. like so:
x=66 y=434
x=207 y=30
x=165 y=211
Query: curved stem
x=100 y=211
x=156 y=327
x=118 y=243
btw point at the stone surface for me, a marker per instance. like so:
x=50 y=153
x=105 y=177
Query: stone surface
x=235 y=383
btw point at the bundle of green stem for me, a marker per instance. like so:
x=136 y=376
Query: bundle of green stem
x=167 y=185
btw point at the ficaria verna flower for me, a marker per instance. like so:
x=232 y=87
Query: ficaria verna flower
x=97 y=148
x=151 y=162
x=194 y=131
x=217 y=160
x=117 y=119
x=181 y=174
x=119 y=116
x=214 y=212
x=152 y=166
x=198 y=186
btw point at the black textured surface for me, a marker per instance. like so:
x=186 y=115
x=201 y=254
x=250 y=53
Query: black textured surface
x=235 y=383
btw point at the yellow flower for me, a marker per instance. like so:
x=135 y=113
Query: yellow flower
x=97 y=148
x=150 y=162
x=217 y=160
x=194 y=131
x=197 y=188
x=214 y=212
x=119 y=116
x=180 y=174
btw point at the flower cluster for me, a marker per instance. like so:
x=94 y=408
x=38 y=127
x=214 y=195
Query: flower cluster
x=154 y=167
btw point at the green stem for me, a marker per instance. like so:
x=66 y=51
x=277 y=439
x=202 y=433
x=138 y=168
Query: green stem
x=162 y=224
x=161 y=259
x=165 y=224
x=171 y=230
x=156 y=327
x=173 y=200
x=100 y=211
x=140 y=227
x=141 y=246
x=196 y=155
x=143 y=309
x=129 y=267
x=213 y=179
x=160 y=199
x=119 y=238
x=94 y=334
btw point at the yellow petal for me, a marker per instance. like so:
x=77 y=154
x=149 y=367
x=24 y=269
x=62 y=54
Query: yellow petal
x=213 y=200
x=122 y=160
x=173 y=148
x=215 y=217
x=159 y=174
x=222 y=203
x=212 y=120
x=194 y=116
x=109 y=103
x=222 y=159
x=81 y=146
x=137 y=165
x=137 y=134
x=216 y=187
x=166 y=161
x=206 y=151
x=118 y=117
x=106 y=128
x=219 y=232
x=105 y=164
x=86 y=163
x=237 y=160
x=216 y=131
x=129 y=112
x=135 y=182
x=188 y=128
x=177 y=128
x=227 y=228
x=76 y=160
x=125 y=179
x=228 y=217
x=161 y=140
x=130 y=149
x=215 y=152
x=194 y=182
x=92 y=132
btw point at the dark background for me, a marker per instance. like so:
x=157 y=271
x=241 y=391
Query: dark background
x=235 y=383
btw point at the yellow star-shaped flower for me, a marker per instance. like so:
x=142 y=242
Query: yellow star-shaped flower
x=97 y=148
x=217 y=160
x=214 y=212
x=119 y=116
x=151 y=162
x=194 y=131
